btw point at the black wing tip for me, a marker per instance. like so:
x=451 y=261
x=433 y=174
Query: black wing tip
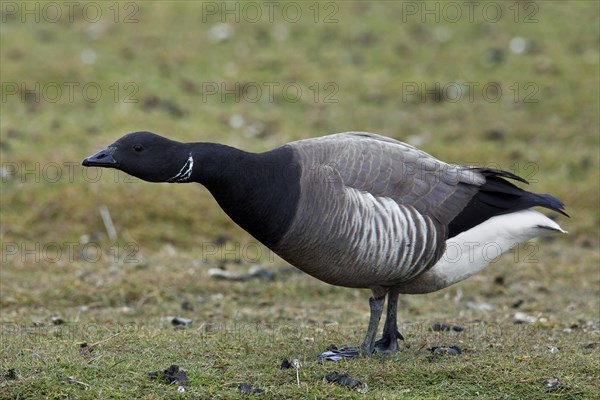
x=548 y=200
x=488 y=172
x=554 y=204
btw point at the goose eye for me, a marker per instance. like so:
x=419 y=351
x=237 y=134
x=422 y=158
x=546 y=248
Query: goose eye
x=137 y=147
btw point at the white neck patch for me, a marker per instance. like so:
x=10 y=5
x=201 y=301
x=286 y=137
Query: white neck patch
x=185 y=172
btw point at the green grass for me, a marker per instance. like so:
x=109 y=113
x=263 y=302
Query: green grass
x=123 y=291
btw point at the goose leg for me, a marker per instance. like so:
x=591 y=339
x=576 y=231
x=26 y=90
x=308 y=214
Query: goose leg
x=389 y=340
x=367 y=346
x=376 y=310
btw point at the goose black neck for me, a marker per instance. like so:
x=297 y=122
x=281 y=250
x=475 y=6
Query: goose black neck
x=259 y=191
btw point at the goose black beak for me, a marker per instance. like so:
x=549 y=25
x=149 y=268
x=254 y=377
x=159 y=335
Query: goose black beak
x=103 y=158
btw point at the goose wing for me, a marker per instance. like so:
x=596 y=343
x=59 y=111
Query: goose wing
x=388 y=168
x=373 y=212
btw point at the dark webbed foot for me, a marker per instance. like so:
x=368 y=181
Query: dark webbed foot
x=388 y=342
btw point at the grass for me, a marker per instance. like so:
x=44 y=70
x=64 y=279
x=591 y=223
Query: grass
x=57 y=260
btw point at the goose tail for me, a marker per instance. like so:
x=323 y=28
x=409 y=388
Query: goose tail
x=472 y=250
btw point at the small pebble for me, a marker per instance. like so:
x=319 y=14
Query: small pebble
x=171 y=375
x=246 y=388
x=187 y=306
x=552 y=383
x=441 y=327
x=285 y=364
x=344 y=379
x=452 y=350
x=438 y=327
x=10 y=374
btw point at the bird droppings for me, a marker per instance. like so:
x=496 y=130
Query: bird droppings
x=172 y=375
x=595 y=326
x=518 y=303
x=285 y=364
x=261 y=273
x=220 y=239
x=73 y=381
x=86 y=348
x=553 y=383
x=10 y=374
x=220 y=32
x=179 y=322
x=155 y=102
x=88 y=56
x=187 y=306
x=334 y=354
x=518 y=45
x=522 y=318
x=246 y=388
x=493 y=57
x=441 y=327
x=480 y=306
x=213 y=297
x=437 y=327
x=439 y=351
x=345 y=380
x=452 y=350
x=496 y=135
x=258 y=272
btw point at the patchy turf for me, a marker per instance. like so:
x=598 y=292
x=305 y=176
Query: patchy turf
x=87 y=317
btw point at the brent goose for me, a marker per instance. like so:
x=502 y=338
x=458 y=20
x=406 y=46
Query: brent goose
x=354 y=209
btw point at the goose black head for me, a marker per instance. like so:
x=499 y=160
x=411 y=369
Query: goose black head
x=147 y=156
